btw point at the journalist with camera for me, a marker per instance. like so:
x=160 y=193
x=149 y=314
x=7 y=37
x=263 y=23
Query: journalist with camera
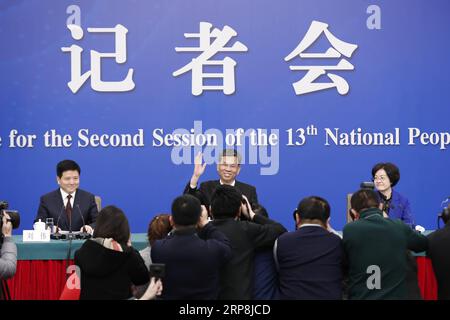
x=438 y=249
x=8 y=249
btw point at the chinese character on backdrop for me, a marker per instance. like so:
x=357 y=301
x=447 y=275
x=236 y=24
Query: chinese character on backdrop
x=339 y=48
x=120 y=55
x=211 y=43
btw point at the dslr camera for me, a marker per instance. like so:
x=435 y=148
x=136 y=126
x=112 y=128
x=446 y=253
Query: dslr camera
x=14 y=216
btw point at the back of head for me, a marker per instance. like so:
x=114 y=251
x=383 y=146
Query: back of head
x=112 y=223
x=158 y=228
x=314 y=208
x=225 y=202
x=186 y=210
x=364 y=199
x=67 y=165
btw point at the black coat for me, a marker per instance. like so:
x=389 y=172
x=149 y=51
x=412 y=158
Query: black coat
x=108 y=274
x=439 y=252
x=236 y=277
x=192 y=262
x=310 y=264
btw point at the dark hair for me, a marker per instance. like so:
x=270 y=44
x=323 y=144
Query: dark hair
x=66 y=165
x=314 y=208
x=231 y=153
x=158 y=228
x=112 y=223
x=225 y=202
x=186 y=210
x=364 y=199
x=259 y=209
x=391 y=170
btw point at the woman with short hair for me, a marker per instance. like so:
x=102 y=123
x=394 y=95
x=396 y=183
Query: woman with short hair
x=396 y=206
x=108 y=263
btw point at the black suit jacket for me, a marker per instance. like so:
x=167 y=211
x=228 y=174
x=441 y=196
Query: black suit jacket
x=236 y=276
x=438 y=251
x=310 y=264
x=208 y=187
x=108 y=274
x=52 y=206
x=192 y=260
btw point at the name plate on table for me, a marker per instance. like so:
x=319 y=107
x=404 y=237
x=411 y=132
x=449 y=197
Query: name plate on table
x=36 y=236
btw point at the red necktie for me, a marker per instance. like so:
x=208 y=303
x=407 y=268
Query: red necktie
x=69 y=208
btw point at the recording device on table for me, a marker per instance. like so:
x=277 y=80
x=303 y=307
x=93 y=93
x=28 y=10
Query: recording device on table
x=74 y=235
x=157 y=270
x=14 y=216
x=368 y=185
x=70 y=235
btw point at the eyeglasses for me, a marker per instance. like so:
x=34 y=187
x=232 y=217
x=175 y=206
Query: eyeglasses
x=382 y=178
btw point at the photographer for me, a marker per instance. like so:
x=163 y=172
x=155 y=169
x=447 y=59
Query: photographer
x=438 y=248
x=8 y=257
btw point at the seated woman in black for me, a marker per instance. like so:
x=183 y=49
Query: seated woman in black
x=108 y=263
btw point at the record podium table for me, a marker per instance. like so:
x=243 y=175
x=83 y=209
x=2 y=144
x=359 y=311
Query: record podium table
x=41 y=267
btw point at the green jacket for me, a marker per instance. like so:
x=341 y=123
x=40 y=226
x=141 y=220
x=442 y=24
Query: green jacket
x=374 y=241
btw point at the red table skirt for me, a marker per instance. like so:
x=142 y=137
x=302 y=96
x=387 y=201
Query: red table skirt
x=38 y=279
x=426 y=278
x=45 y=279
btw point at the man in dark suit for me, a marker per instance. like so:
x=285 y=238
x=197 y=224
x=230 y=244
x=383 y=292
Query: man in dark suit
x=438 y=251
x=310 y=258
x=71 y=208
x=228 y=169
x=192 y=257
x=236 y=276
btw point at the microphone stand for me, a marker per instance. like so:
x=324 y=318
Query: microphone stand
x=70 y=237
x=84 y=234
x=57 y=235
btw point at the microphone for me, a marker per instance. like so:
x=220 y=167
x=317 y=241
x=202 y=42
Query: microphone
x=57 y=235
x=59 y=217
x=70 y=235
x=82 y=218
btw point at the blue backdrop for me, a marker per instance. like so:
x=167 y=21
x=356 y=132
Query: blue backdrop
x=400 y=80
